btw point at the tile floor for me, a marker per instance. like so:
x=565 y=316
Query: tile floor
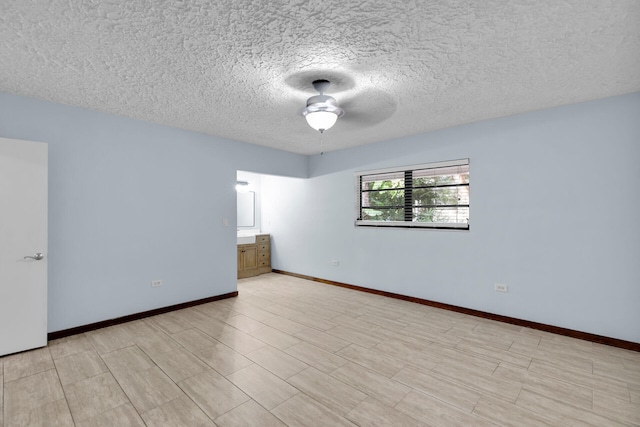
x=289 y=352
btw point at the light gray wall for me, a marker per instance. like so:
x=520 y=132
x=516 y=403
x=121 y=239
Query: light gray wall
x=130 y=202
x=554 y=201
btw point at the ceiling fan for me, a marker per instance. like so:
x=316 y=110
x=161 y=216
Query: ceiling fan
x=361 y=106
x=322 y=110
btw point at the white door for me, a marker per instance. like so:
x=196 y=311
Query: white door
x=23 y=233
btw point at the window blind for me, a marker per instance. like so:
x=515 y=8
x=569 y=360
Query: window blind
x=432 y=195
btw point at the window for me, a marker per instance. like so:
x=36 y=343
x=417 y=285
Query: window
x=434 y=195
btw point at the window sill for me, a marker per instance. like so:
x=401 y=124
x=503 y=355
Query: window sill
x=406 y=224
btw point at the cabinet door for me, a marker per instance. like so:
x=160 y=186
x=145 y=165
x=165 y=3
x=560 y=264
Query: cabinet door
x=247 y=257
x=250 y=257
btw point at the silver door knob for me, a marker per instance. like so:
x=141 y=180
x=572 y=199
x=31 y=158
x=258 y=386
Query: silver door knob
x=37 y=256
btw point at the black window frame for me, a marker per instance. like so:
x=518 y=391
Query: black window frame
x=408 y=206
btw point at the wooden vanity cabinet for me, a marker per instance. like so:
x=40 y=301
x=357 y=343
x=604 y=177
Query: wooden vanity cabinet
x=255 y=258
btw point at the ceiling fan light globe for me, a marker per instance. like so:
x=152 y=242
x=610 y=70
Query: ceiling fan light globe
x=321 y=120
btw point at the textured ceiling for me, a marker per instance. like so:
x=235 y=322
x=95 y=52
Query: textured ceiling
x=243 y=69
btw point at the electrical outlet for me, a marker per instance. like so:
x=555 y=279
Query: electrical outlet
x=335 y=262
x=499 y=287
x=156 y=283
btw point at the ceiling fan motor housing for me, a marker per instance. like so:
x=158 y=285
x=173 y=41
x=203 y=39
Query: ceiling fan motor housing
x=323 y=103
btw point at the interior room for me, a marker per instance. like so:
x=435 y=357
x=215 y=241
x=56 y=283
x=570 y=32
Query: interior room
x=206 y=254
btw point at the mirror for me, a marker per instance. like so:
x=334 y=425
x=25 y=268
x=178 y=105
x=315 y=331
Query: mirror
x=246 y=209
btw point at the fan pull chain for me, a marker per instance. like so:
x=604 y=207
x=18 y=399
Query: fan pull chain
x=321 y=142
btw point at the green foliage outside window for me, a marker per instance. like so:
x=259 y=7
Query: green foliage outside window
x=434 y=199
x=385 y=202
